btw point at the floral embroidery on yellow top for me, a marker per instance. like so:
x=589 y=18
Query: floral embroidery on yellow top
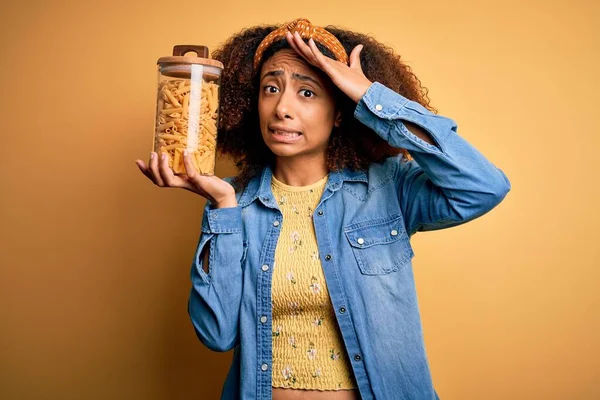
x=308 y=350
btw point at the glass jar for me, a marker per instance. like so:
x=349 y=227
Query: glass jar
x=187 y=108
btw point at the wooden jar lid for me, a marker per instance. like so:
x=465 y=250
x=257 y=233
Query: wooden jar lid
x=179 y=57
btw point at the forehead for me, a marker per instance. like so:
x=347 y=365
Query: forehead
x=290 y=61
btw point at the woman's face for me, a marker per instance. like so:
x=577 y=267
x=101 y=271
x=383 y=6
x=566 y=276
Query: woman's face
x=296 y=106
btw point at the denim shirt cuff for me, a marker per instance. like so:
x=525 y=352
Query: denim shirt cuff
x=378 y=107
x=381 y=101
x=223 y=220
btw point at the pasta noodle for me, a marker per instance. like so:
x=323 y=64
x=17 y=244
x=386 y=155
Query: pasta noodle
x=162 y=127
x=175 y=130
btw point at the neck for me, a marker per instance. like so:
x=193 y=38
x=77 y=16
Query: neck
x=300 y=171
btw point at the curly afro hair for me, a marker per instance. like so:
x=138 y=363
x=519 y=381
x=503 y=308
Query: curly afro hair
x=352 y=145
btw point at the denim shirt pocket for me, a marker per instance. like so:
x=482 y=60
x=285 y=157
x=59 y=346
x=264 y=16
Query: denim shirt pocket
x=381 y=245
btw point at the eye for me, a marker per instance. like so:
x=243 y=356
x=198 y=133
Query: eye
x=308 y=93
x=270 y=89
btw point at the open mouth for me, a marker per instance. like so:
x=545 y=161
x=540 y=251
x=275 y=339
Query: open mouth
x=285 y=136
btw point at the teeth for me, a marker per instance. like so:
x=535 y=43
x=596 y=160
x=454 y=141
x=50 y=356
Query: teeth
x=283 y=133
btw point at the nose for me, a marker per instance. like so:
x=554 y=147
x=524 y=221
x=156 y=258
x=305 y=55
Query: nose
x=284 y=108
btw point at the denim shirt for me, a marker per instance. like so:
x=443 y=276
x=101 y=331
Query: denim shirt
x=363 y=224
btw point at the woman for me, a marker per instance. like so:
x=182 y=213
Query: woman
x=304 y=264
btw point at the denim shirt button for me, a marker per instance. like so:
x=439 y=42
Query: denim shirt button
x=320 y=212
x=276 y=223
x=342 y=310
x=379 y=107
x=328 y=257
x=264 y=367
x=362 y=241
x=357 y=357
x=394 y=232
x=263 y=319
x=265 y=267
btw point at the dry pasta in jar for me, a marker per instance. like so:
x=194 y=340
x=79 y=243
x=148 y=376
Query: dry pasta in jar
x=187 y=110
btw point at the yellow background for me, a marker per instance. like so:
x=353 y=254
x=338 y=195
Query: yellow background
x=95 y=260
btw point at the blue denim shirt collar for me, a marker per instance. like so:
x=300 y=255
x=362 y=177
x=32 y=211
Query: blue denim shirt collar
x=259 y=187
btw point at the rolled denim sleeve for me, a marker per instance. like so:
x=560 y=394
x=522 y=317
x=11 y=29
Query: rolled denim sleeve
x=215 y=296
x=447 y=183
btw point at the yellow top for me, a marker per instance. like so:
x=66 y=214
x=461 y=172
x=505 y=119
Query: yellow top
x=308 y=349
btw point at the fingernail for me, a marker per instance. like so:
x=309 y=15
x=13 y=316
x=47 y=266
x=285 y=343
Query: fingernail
x=152 y=155
x=163 y=156
x=185 y=153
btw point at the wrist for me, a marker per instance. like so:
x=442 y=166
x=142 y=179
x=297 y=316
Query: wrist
x=226 y=203
x=362 y=90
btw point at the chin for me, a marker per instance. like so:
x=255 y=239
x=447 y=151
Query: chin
x=283 y=152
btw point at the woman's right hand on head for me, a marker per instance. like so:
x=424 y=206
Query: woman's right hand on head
x=220 y=193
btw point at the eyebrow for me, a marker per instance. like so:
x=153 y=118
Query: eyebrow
x=299 y=77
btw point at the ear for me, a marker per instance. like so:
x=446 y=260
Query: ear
x=338 y=119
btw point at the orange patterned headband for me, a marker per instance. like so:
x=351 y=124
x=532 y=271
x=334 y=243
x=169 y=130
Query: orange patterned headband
x=306 y=31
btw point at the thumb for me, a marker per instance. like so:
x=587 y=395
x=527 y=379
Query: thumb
x=355 y=57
